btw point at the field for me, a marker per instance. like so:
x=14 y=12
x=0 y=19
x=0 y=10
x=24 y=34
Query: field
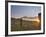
x=22 y=25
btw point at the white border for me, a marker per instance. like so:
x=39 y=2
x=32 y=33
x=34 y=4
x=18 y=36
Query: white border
x=23 y=32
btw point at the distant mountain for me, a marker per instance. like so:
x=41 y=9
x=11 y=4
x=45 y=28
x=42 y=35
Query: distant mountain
x=28 y=17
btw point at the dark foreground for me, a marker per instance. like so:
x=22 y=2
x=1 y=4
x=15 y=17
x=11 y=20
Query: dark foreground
x=21 y=25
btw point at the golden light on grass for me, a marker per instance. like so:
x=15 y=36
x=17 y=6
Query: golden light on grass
x=38 y=20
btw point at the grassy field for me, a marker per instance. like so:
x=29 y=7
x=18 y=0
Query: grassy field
x=21 y=25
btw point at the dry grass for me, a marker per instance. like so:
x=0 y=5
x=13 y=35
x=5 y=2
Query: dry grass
x=21 y=25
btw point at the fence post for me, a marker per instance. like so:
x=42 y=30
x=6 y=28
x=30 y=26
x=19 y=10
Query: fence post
x=21 y=23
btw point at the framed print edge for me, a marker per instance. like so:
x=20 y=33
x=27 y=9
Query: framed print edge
x=6 y=18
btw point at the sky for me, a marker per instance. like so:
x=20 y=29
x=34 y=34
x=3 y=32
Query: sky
x=18 y=11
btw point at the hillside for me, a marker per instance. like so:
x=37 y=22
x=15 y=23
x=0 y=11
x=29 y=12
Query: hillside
x=22 y=25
